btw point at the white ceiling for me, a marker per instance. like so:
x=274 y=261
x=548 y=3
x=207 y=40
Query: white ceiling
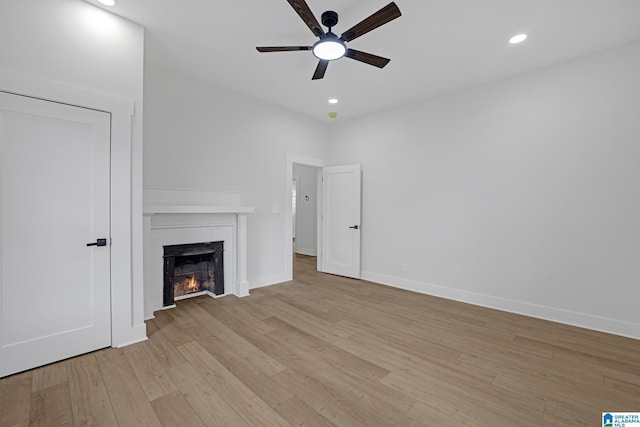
x=435 y=46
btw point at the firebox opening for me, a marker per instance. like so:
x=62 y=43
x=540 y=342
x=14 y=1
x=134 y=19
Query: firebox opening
x=193 y=273
x=191 y=270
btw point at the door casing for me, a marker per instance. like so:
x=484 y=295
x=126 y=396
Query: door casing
x=127 y=286
x=290 y=159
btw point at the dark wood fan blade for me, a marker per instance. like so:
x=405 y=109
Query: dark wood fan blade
x=282 y=48
x=381 y=17
x=320 y=70
x=367 y=58
x=302 y=8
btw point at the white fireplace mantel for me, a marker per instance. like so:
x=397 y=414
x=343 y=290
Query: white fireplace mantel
x=187 y=216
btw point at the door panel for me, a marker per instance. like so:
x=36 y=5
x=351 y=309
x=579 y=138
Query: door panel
x=54 y=290
x=341 y=198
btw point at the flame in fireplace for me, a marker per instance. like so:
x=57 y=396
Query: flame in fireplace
x=193 y=285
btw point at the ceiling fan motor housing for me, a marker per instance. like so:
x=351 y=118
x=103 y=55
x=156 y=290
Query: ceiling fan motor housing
x=329 y=18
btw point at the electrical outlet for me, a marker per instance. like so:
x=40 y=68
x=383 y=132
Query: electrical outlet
x=403 y=266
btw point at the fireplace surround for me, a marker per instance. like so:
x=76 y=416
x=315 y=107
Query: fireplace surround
x=189 y=217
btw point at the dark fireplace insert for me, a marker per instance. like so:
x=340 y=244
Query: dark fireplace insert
x=192 y=269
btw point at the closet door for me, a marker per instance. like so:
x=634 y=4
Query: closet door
x=54 y=201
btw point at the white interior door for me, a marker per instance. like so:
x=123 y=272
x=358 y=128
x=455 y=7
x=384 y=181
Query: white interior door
x=341 y=201
x=54 y=200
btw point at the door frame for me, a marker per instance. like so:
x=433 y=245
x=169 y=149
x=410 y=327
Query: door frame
x=290 y=159
x=127 y=301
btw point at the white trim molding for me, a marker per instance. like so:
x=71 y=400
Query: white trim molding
x=127 y=305
x=554 y=314
x=169 y=221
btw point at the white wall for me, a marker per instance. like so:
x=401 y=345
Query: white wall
x=73 y=43
x=523 y=194
x=306 y=209
x=202 y=136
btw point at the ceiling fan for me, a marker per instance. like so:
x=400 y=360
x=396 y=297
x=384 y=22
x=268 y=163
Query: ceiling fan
x=330 y=46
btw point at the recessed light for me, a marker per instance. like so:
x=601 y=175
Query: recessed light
x=107 y=2
x=519 y=38
x=333 y=101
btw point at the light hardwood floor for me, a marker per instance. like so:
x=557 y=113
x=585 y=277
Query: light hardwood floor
x=324 y=350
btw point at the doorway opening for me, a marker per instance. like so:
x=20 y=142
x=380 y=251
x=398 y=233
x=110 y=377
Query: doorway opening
x=304 y=206
x=305 y=212
x=302 y=218
x=337 y=220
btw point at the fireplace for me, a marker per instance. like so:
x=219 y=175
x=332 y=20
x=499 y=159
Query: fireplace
x=175 y=216
x=192 y=269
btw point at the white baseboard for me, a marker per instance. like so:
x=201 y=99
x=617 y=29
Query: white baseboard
x=135 y=334
x=125 y=344
x=303 y=251
x=583 y=320
x=263 y=281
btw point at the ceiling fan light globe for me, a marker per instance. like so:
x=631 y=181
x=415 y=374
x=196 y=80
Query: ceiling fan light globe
x=329 y=50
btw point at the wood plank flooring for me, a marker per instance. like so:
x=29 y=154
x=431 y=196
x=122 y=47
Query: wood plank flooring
x=325 y=350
